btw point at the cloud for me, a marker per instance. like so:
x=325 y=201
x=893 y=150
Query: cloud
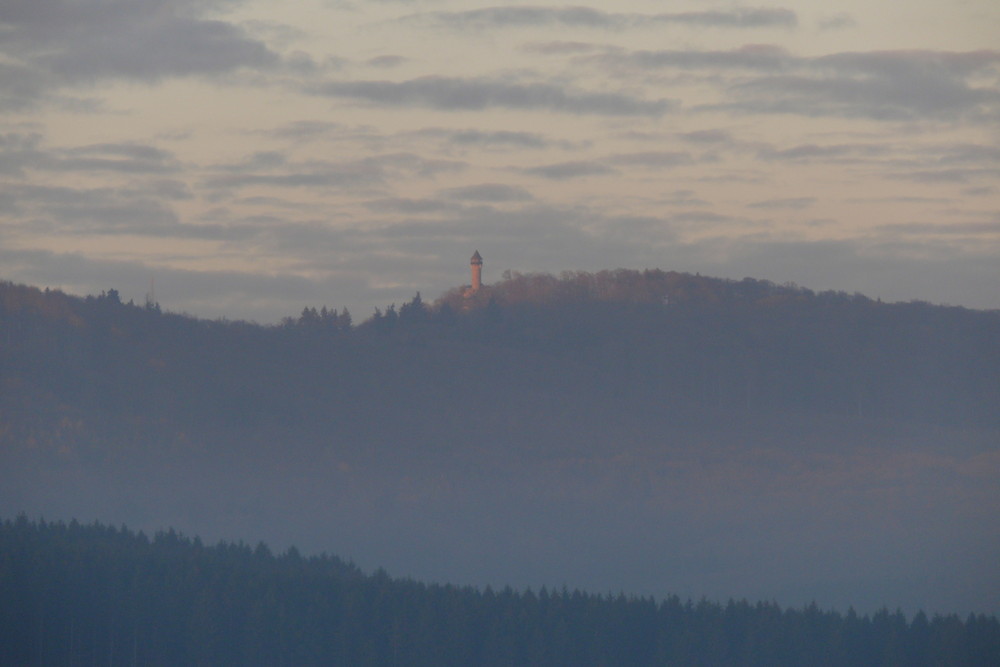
x=653 y=159
x=703 y=218
x=793 y=203
x=386 y=62
x=489 y=192
x=304 y=129
x=560 y=47
x=49 y=44
x=560 y=171
x=124 y=158
x=841 y=21
x=847 y=97
x=273 y=32
x=493 y=138
x=77 y=210
x=522 y=16
x=908 y=63
x=683 y=198
x=952 y=175
x=761 y=57
x=967 y=153
x=21 y=86
x=526 y=16
x=169 y=189
x=810 y=152
x=273 y=169
x=976 y=229
x=140 y=185
x=478 y=93
x=256 y=161
x=942 y=163
x=408 y=206
x=19 y=150
x=176 y=48
x=25 y=151
x=565 y=170
x=708 y=137
x=734 y=18
x=880 y=85
x=415 y=165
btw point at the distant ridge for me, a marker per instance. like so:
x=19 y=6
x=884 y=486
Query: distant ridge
x=693 y=340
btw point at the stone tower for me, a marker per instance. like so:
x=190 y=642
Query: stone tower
x=477 y=271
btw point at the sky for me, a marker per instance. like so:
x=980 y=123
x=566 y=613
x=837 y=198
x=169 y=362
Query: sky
x=246 y=158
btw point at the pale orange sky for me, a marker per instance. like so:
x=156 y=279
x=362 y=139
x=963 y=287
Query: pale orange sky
x=256 y=157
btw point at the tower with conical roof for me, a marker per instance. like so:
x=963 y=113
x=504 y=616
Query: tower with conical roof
x=477 y=271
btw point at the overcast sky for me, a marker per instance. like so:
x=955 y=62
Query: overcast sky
x=255 y=157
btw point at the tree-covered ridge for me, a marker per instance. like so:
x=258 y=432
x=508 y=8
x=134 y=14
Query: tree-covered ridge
x=745 y=345
x=95 y=594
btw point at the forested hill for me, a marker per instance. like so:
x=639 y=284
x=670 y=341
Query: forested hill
x=655 y=341
x=96 y=595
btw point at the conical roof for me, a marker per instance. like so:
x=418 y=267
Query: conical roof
x=476 y=257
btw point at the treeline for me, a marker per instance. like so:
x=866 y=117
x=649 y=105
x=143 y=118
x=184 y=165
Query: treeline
x=94 y=594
